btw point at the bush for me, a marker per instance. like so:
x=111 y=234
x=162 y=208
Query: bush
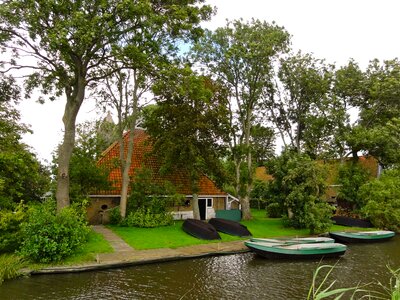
x=298 y=187
x=351 y=177
x=10 y=266
x=274 y=210
x=144 y=217
x=115 y=216
x=50 y=237
x=10 y=228
x=382 y=196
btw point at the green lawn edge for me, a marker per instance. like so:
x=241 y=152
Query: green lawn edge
x=174 y=237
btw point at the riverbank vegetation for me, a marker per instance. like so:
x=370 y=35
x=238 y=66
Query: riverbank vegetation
x=173 y=236
x=323 y=288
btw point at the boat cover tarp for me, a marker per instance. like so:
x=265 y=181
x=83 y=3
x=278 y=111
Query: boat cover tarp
x=229 y=227
x=200 y=229
x=346 y=221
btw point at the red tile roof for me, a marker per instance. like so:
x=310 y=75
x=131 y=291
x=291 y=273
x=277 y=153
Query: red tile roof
x=142 y=157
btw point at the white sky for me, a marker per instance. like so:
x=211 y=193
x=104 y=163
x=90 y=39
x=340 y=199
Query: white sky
x=332 y=29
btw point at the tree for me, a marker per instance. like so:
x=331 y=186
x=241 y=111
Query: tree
x=85 y=175
x=382 y=200
x=375 y=94
x=22 y=176
x=299 y=103
x=298 y=185
x=241 y=56
x=71 y=41
x=187 y=125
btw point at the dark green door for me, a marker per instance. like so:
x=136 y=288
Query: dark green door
x=202 y=208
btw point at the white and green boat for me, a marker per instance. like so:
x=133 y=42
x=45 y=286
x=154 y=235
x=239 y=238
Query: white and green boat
x=362 y=236
x=296 y=240
x=296 y=251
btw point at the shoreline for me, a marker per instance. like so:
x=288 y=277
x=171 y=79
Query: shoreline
x=144 y=257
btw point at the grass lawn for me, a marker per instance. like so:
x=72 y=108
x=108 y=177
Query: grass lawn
x=87 y=252
x=173 y=236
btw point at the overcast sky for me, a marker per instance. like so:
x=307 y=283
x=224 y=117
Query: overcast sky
x=335 y=30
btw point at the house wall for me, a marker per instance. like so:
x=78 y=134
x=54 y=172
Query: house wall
x=99 y=207
x=186 y=211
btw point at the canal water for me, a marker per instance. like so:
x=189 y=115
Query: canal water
x=240 y=276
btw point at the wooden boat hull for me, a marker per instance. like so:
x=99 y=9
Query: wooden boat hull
x=200 y=229
x=306 y=240
x=297 y=251
x=362 y=236
x=229 y=227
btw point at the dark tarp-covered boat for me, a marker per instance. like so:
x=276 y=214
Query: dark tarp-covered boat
x=352 y=222
x=296 y=251
x=200 y=229
x=362 y=236
x=229 y=227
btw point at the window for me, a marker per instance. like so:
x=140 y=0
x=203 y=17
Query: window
x=209 y=202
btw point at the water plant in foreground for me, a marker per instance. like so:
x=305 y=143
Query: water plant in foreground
x=324 y=290
x=9 y=266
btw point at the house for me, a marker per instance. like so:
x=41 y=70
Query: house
x=211 y=198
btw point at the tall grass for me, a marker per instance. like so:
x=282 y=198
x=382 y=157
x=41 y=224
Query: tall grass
x=9 y=266
x=323 y=290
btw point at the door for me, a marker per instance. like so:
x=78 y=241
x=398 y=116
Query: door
x=203 y=209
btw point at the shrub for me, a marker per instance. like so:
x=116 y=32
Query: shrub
x=10 y=266
x=144 y=217
x=10 y=228
x=382 y=196
x=298 y=187
x=50 y=237
x=351 y=177
x=274 y=210
x=115 y=216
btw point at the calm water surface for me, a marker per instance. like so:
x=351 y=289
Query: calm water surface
x=241 y=276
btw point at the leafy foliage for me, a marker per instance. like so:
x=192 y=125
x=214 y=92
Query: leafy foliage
x=145 y=217
x=187 y=125
x=10 y=228
x=22 y=176
x=148 y=194
x=85 y=175
x=299 y=185
x=10 y=266
x=241 y=56
x=352 y=176
x=49 y=237
x=382 y=198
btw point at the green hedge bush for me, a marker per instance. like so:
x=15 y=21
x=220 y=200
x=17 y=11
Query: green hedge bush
x=382 y=197
x=49 y=237
x=144 y=217
x=10 y=228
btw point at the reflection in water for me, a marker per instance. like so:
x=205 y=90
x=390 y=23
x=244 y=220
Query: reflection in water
x=242 y=276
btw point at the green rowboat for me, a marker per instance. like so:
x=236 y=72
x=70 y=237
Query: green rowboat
x=304 y=240
x=362 y=236
x=296 y=251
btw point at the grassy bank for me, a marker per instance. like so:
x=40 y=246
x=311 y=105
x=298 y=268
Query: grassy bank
x=10 y=264
x=174 y=237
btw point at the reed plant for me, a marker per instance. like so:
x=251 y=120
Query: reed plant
x=10 y=266
x=324 y=290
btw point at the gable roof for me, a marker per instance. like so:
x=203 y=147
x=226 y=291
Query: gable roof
x=142 y=157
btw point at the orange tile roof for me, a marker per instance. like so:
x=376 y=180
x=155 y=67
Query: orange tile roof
x=142 y=157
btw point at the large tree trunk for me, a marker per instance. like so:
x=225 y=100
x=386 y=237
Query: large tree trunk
x=125 y=171
x=195 y=205
x=128 y=160
x=72 y=107
x=245 y=202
